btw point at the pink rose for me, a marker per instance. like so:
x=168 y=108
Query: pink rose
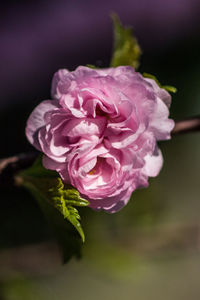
x=100 y=132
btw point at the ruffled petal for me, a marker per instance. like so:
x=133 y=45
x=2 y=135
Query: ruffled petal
x=153 y=163
x=159 y=123
x=37 y=121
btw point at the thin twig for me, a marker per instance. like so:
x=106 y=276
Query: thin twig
x=186 y=126
x=11 y=165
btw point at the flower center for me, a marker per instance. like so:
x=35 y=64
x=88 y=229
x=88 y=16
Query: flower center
x=92 y=172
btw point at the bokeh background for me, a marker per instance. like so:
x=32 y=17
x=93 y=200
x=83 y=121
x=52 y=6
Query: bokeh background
x=150 y=249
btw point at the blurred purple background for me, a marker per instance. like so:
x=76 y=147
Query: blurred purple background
x=38 y=37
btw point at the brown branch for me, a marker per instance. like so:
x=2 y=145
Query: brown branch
x=11 y=165
x=186 y=126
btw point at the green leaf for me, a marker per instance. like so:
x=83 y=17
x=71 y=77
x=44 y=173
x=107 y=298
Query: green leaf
x=57 y=202
x=168 y=88
x=126 y=48
x=37 y=170
x=64 y=198
x=67 y=237
x=91 y=66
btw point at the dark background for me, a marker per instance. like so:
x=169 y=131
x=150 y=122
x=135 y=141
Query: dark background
x=149 y=249
x=39 y=37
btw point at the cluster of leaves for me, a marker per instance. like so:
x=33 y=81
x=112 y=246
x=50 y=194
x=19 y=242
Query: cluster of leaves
x=126 y=50
x=58 y=203
x=168 y=88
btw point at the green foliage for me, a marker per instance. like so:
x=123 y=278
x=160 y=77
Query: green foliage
x=64 y=199
x=37 y=170
x=126 y=48
x=168 y=88
x=91 y=66
x=57 y=202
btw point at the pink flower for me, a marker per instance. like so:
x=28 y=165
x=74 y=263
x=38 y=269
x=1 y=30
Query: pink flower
x=101 y=130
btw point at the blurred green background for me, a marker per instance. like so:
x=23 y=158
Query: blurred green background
x=151 y=248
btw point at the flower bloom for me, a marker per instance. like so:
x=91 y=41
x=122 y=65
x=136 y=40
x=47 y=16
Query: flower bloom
x=100 y=132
